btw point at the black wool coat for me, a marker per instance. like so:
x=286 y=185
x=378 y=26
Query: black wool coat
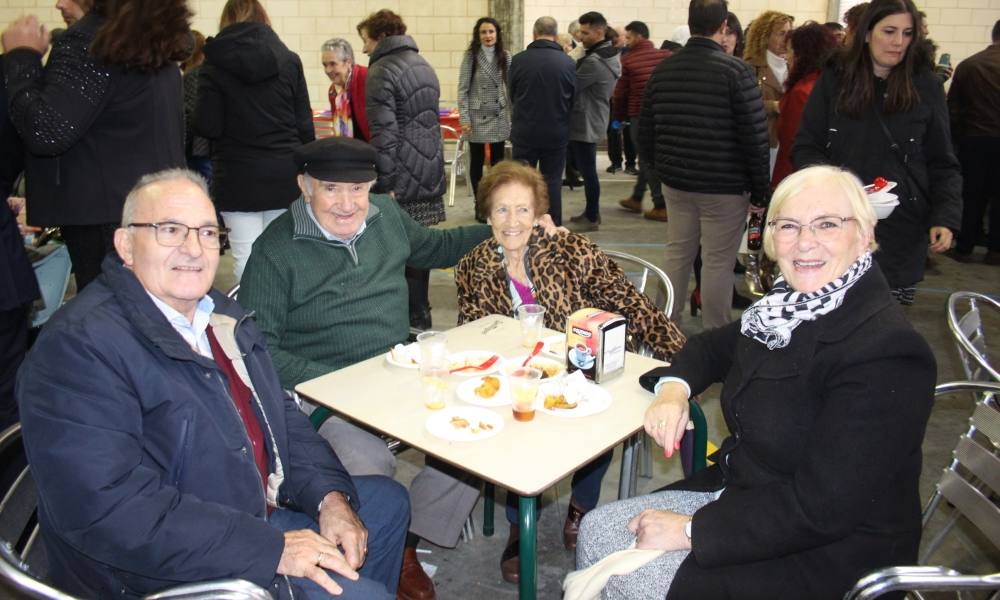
x=822 y=466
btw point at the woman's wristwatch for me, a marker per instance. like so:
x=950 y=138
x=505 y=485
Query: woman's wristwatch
x=687 y=529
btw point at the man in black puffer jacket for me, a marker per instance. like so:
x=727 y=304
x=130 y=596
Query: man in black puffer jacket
x=401 y=98
x=702 y=120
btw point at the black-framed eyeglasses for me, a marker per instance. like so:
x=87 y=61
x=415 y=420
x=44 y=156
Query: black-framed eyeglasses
x=824 y=229
x=172 y=234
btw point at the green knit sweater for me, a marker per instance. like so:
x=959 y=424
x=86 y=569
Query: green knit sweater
x=324 y=304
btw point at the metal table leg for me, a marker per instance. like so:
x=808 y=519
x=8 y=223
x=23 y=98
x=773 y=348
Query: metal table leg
x=625 y=485
x=528 y=543
x=488 y=492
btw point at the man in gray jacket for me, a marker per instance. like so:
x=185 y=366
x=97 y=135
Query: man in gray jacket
x=596 y=74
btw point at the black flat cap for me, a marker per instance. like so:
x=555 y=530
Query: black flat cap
x=337 y=159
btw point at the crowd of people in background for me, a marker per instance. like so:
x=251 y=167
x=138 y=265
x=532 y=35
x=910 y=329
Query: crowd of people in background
x=131 y=131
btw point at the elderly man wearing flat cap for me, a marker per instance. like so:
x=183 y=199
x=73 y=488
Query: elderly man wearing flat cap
x=327 y=282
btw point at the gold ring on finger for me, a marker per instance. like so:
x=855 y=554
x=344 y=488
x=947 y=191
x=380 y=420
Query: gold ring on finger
x=319 y=558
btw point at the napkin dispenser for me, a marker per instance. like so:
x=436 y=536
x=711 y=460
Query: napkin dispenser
x=595 y=344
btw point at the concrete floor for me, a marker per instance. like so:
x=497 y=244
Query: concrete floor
x=472 y=569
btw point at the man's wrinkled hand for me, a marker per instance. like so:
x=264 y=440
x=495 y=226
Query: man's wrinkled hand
x=307 y=554
x=26 y=32
x=339 y=524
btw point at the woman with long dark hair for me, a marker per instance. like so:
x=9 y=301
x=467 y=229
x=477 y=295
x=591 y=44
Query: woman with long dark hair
x=103 y=111
x=482 y=97
x=881 y=112
x=254 y=105
x=733 y=42
x=809 y=46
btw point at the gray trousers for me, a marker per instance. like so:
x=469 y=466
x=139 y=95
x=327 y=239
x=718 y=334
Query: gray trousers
x=647 y=172
x=605 y=530
x=441 y=497
x=716 y=222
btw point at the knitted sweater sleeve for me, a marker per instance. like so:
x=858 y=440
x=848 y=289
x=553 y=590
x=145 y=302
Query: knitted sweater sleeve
x=265 y=289
x=440 y=248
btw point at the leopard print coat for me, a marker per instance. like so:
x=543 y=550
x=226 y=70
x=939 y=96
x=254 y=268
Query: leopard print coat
x=569 y=273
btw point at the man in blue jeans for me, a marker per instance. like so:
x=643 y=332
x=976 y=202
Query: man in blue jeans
x=162 y=445
x=542 y=82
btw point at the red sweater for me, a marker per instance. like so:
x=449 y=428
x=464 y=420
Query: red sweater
x=637 y=66
x=791 y=106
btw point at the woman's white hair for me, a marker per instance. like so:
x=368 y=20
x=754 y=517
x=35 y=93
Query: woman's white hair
x=834 y=180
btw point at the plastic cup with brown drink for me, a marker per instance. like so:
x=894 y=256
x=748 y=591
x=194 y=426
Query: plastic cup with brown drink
x=523 y=391
x=531 y=317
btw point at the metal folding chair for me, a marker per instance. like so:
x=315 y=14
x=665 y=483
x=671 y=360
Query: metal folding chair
x=970 y=485
x=52 y=272
x=459 y=163
x=23 y=564
x=970 y=336
x=652 y=281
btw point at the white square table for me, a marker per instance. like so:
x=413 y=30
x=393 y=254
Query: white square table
x=525 y=457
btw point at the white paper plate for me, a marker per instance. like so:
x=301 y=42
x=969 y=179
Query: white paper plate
x=466 y=392
x=408 y=358
x=472 y=358
x=555 y=346
x=590 y=399
x=549 y=367
x=482 y=424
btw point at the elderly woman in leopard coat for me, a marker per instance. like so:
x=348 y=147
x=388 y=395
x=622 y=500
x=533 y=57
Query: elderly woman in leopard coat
x=563 y=273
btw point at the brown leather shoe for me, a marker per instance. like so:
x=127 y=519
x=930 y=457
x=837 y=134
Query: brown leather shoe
x=414 y=584
x=510 y=560
x=572 y=525
x=656 y=214
x=631 y=204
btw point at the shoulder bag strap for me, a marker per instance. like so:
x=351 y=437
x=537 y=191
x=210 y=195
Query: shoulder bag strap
x=897 y=151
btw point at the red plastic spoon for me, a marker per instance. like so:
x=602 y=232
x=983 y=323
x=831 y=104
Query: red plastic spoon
x=481 y=367
x=534 y=353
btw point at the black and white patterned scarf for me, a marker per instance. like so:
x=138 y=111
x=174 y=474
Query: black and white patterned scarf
x=772 y=319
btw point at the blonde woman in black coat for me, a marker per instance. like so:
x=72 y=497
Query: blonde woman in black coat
x=826 y=392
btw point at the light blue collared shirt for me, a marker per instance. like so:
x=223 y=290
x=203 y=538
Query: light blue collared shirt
x=193 y=332
x=330 y=236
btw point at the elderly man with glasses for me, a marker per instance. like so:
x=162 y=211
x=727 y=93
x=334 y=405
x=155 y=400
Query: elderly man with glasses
x=163 y=446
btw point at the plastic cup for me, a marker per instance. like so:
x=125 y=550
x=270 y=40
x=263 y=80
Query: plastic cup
x=433 y=349
x=523 y=391
x=531 y=317
x=434 y=387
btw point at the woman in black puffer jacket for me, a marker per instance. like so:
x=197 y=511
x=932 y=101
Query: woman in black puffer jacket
x=402 y=96
x=254 y=106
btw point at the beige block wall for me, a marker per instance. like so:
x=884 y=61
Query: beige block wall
x=442 y=28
